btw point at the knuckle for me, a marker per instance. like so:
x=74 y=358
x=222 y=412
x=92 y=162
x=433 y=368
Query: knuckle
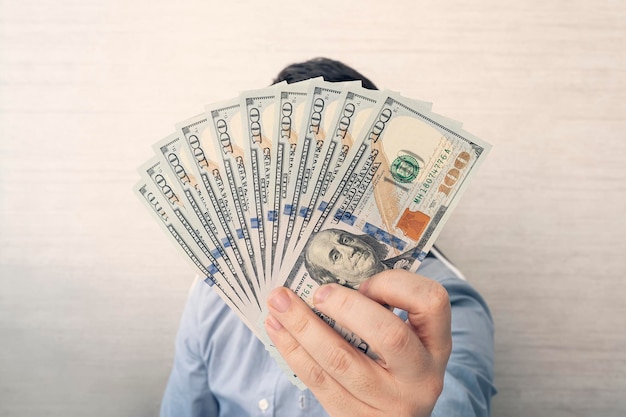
x=289 y=348
x=300 y=325
x=438 y=298
x=316 y=375
x=396 y=339
x=340 y=361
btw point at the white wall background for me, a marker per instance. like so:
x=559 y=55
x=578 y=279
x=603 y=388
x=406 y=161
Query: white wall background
x=90 y=290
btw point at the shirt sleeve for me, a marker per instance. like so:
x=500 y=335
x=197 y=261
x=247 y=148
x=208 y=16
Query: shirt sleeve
x=468 y=383
x=188 y=393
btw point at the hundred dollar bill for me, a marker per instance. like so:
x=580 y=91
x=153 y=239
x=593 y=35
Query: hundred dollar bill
x=171 y=151
x=201 y=149
x=259 y=107
x=227 y=128
x=392 y=197
x=185 y=240
x=350 y=120
x=323 y=102
x=443 y=120
x=291 y=101
x=354 y=112
x=205 y=239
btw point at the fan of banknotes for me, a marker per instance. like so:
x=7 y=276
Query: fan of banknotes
x=303 y=184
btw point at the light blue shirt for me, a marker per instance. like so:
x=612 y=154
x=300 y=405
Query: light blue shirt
x=222 y=369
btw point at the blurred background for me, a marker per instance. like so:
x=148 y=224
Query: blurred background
x=91 y=291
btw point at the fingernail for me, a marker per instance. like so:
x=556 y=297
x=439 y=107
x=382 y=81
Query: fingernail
x=279 y=300
x=273 y=323
x=364 y=286
x=321 y=294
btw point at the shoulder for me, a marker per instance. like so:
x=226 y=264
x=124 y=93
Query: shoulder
x=214 y=320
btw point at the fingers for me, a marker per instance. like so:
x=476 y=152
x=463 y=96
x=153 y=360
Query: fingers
x=414 y=354
x=332 y=395
x=426 y=302
x=397 y=344
x=300 y=361
x=320 y=356
x=394 y=342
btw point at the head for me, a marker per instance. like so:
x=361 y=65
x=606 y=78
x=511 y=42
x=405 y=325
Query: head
x=334 y=255
x=333 y=71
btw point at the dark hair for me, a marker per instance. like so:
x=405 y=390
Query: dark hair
x=331 y=70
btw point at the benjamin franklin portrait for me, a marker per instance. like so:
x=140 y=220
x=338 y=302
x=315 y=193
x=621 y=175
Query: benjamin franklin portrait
x=334 y=255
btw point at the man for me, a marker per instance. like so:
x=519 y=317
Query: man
x=335 y=255
x=435 y=353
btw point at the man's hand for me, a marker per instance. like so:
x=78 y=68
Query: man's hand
x=408 y=377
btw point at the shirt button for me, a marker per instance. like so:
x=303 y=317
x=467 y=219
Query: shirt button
x=264 y=405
